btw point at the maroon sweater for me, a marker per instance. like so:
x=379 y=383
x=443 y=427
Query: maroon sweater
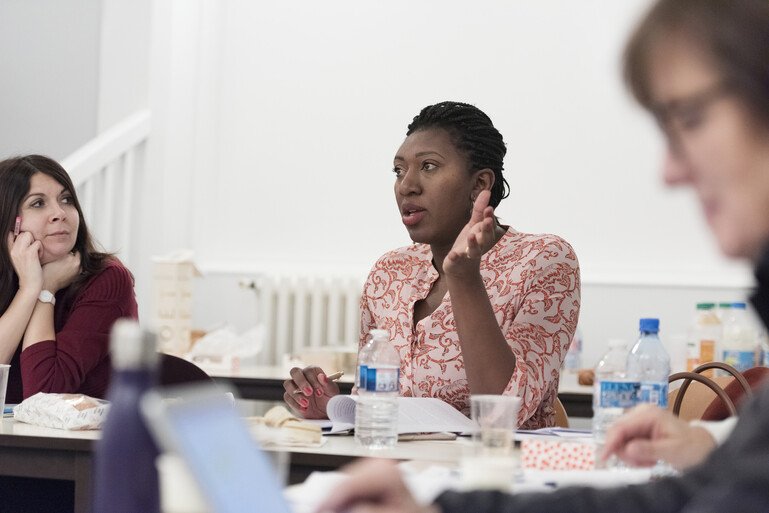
x=78 y=360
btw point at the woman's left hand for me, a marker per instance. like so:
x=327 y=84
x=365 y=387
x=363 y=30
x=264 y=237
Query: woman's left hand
x=475 y=239
x=61 y=273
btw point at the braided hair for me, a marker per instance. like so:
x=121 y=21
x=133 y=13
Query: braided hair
x=473 y=133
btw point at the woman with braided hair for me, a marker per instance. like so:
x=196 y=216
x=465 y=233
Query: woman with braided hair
x=473 y=306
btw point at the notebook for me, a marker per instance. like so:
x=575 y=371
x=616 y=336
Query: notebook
x=204 y=427
x=415 y=415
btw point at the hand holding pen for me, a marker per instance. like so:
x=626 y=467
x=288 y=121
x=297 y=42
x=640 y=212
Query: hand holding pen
x=309 y=390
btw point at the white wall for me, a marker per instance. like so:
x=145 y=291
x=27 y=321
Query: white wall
x=49 y=51
x=124 y=59
x=313 y=99
x=301 y=106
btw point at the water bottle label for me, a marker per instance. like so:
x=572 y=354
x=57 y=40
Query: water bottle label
x=382 y=379
x=362 y=376
x=766 y=358
x=618 y=394
x=740 y=360
x=654 y=393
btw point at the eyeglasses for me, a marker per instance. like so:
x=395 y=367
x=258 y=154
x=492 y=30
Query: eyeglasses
x=683 y=115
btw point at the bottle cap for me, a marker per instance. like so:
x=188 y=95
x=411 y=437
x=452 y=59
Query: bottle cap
x=705 y=306
x=131 y=347
x=649 y=325
x=724 y=305
x=741 y=306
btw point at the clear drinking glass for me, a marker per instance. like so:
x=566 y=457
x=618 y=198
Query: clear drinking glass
x=490 y=461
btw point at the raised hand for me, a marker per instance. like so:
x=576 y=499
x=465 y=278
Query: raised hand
x=25 y=256
x=475 y=239
x=648 y=434
x=61 y=273
x=308 y=392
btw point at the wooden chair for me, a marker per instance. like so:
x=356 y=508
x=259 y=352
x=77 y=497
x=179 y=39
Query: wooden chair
x=755 y=378
x=175 y=370
x=701 y=391
x=561 y=418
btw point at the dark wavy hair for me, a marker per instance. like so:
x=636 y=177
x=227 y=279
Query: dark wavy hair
x=15 y=176
x=733 y=33
x=473 y=134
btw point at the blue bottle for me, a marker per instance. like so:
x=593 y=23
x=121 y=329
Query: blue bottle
x=648 y=364
x=125 y=477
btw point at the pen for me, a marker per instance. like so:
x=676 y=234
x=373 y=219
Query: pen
x=17 y=227
x=331 y=377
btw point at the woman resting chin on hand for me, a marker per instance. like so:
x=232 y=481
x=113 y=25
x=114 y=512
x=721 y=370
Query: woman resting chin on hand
x=58 y=296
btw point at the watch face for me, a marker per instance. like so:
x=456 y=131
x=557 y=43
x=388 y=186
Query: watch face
x=46 y=296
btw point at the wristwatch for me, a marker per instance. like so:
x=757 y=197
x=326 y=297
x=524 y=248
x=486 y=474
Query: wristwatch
x=46 y=296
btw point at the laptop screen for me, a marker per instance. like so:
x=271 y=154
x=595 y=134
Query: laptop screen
x=232 y=471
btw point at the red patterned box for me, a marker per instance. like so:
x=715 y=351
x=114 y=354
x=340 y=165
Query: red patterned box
x=557 y=454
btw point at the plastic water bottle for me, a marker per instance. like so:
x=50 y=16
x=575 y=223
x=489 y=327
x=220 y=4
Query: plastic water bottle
x=573 y=361
x=613 y=393
x=704 y=337
x=125 y=477
x=648 y=364
x=376 y=414
x=722 y=311
x=764 y=343
x=363 y=357
x=740 y=343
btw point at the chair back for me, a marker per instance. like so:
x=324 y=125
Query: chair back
x=700 y=391
x=755 y=377
x=700 y=402
x=561 y=418
x=175 y=370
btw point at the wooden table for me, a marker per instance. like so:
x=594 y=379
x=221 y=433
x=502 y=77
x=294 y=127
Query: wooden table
x=341 y=450
x=44 y=453
x=265 y=383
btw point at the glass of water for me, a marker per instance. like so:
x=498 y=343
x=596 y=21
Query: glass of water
x=490 y=462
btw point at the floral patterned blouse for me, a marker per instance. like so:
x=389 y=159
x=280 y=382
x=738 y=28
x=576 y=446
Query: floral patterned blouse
x=534 y=287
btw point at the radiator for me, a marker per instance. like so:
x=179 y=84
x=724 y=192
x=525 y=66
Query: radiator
x=306 y=312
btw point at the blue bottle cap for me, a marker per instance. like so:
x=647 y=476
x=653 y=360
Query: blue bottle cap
x=740 y=306
x=649 y=325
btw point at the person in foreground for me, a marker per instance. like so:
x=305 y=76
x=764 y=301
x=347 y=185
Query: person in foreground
x=702 y=68
x=473 y=306
x=58 y=296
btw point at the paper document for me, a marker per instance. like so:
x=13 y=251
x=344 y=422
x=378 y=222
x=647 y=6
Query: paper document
x=415 y=415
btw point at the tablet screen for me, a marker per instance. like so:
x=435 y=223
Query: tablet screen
x=233 y=472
